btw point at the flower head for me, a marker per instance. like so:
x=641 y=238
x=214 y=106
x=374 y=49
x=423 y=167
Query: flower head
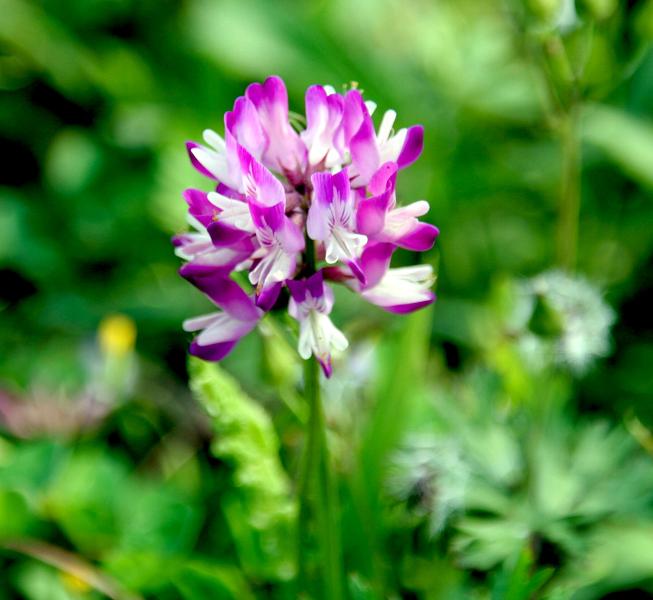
x=299 y=209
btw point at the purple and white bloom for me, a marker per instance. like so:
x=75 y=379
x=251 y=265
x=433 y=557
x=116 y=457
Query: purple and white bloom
x=280 y=239
x=283 y=150
x=369 y=149
x=294 y=209
x=324 y=135
x=379 y=217
x=198 y=248
x=220 y=331
x=401 y=290
x=332 y=219
x=218 y=160
x=310 y=303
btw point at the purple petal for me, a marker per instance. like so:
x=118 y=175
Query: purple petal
x=403 y=309
x=193 y=271
x=260 y=184
x=374 y=262
x=243 y=123
x=354 y=113
x=413 y=146
x=315 y=284
x=268 y=296
x=181 y=239
x=317 y=222
x=317 y=110
x=225 y=190
x=322 y=188
x=340 y=183
x=196 y=163
x=270 y=96
x=199 y=206
x=324 y=130
x=267 y=216
x=371 y=212
x=291 y=238
x=327 y=188
x=364 y=152
x=214 y=352
x=357 y=272
x=297 y=289
x=385 y=178
x=225 y=235
x=285 y=151
x=421 y=238
x=327 y=368
x=226 y=293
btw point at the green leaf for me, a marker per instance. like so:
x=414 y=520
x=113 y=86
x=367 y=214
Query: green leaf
x=83 y=500
x=618 y=556
x=157 y=517
x=16 y=519
x=260 y=509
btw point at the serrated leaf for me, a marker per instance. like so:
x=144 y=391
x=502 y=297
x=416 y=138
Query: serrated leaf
x=260 y=509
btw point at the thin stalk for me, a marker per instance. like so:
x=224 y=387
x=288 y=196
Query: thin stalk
x=569 y=210
x=317 y=493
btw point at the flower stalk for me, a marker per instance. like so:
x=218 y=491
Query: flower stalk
x=318 y=523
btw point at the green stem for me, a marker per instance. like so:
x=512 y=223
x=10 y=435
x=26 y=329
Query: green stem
x=318 y=495
x=569 y=212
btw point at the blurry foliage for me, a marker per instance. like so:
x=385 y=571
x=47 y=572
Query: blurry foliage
x=116 y=481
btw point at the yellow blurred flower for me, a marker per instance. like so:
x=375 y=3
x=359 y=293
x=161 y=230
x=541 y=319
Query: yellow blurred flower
x=117 y=334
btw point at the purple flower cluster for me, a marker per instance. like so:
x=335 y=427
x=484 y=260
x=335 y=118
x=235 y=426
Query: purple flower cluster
x=297 y=209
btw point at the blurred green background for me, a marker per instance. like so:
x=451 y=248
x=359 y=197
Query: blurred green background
x=475 y=460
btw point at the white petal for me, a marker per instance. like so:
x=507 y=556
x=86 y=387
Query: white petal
x=273 y=268
x=319 y=336
x=344 y=245
x=385 y=129
x=213 y=162
x=201 y=322
x=326 y=336
x=401 y=220
x=391 y=149
x=194 y=223
x=305 y=341
x=223 y=329
x=371 y=106
x=402 y=286
x=214 y=140
x=234 y=212
x=191 y=250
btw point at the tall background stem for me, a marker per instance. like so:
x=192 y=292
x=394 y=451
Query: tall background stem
x=569 y=210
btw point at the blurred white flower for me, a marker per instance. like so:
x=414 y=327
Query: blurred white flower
x=430 y=476
x=561 y=320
